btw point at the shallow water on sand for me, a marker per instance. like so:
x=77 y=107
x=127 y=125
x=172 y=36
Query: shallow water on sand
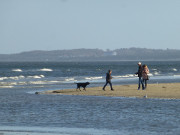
x=59 y=114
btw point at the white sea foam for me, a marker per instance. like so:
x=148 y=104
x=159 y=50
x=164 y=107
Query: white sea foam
x=45 y=82
x=22 y=83
x=3 y=78
x=21 y=77
x=46 y=69
x=174 y=69
x=93 y=78
x=13 y=83
x=6 y=86
x=125 y=76
x=36 y=76
x=13 y=77
x=17 y=70
x=55 y=81
x=38 y=82
x=150 y=74
x=156 y=73
x=153 y=69
x=70 y=79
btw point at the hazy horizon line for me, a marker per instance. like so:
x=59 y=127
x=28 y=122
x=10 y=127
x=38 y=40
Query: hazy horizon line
x=89 y=49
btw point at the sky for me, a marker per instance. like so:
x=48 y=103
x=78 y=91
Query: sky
x=27 y=25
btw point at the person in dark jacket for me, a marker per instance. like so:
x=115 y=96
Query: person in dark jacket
x=108 y=79
x=139 y=73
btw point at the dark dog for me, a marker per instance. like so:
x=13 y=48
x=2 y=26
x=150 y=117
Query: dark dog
x=82 y=85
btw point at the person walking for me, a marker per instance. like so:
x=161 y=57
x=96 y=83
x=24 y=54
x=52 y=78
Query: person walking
x=108 y=79
x=145 y=76
x=139 y=73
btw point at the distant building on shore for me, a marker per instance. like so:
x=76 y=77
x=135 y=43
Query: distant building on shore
x=110 y=53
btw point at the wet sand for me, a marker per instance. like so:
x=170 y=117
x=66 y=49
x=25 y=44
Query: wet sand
x=163 y=91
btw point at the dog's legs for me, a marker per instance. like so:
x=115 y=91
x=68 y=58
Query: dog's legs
x=78 y=88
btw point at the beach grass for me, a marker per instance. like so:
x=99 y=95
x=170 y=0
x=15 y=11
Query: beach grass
x=163 y=91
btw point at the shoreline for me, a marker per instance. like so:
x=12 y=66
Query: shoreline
x=159 y=91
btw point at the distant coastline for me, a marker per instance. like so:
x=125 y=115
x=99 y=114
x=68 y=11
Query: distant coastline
x=123 y=54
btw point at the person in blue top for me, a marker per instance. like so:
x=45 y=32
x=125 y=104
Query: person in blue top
x=108 y=79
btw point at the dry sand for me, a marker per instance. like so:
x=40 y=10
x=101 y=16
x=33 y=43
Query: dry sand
x=163 y=91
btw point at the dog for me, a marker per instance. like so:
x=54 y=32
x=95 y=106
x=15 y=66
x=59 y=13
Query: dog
x=82 y=85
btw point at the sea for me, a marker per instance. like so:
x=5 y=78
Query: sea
x=22 y=112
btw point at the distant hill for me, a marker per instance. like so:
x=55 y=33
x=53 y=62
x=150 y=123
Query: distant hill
x=94 y=55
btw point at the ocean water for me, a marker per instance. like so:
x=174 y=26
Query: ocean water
x=23 y=112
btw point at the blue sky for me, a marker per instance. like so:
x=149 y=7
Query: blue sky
x=27 y=25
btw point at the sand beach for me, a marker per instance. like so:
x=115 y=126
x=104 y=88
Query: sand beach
x=163 y=91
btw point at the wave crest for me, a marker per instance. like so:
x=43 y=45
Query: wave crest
x=17 y=70
x=46 y=69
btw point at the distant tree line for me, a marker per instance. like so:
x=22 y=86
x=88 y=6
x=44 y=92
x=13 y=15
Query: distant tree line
x=94 y=55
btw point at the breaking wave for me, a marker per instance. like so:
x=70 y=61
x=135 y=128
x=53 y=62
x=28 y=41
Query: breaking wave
x=36 y=76
x=12 y=78
x=125 y=76
x=174 y=69
x=70 y=79
x=156 y=73
x=93 y=78
x=17 y=70
x=46 y=69
x=6 y=86
x=21 y=77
